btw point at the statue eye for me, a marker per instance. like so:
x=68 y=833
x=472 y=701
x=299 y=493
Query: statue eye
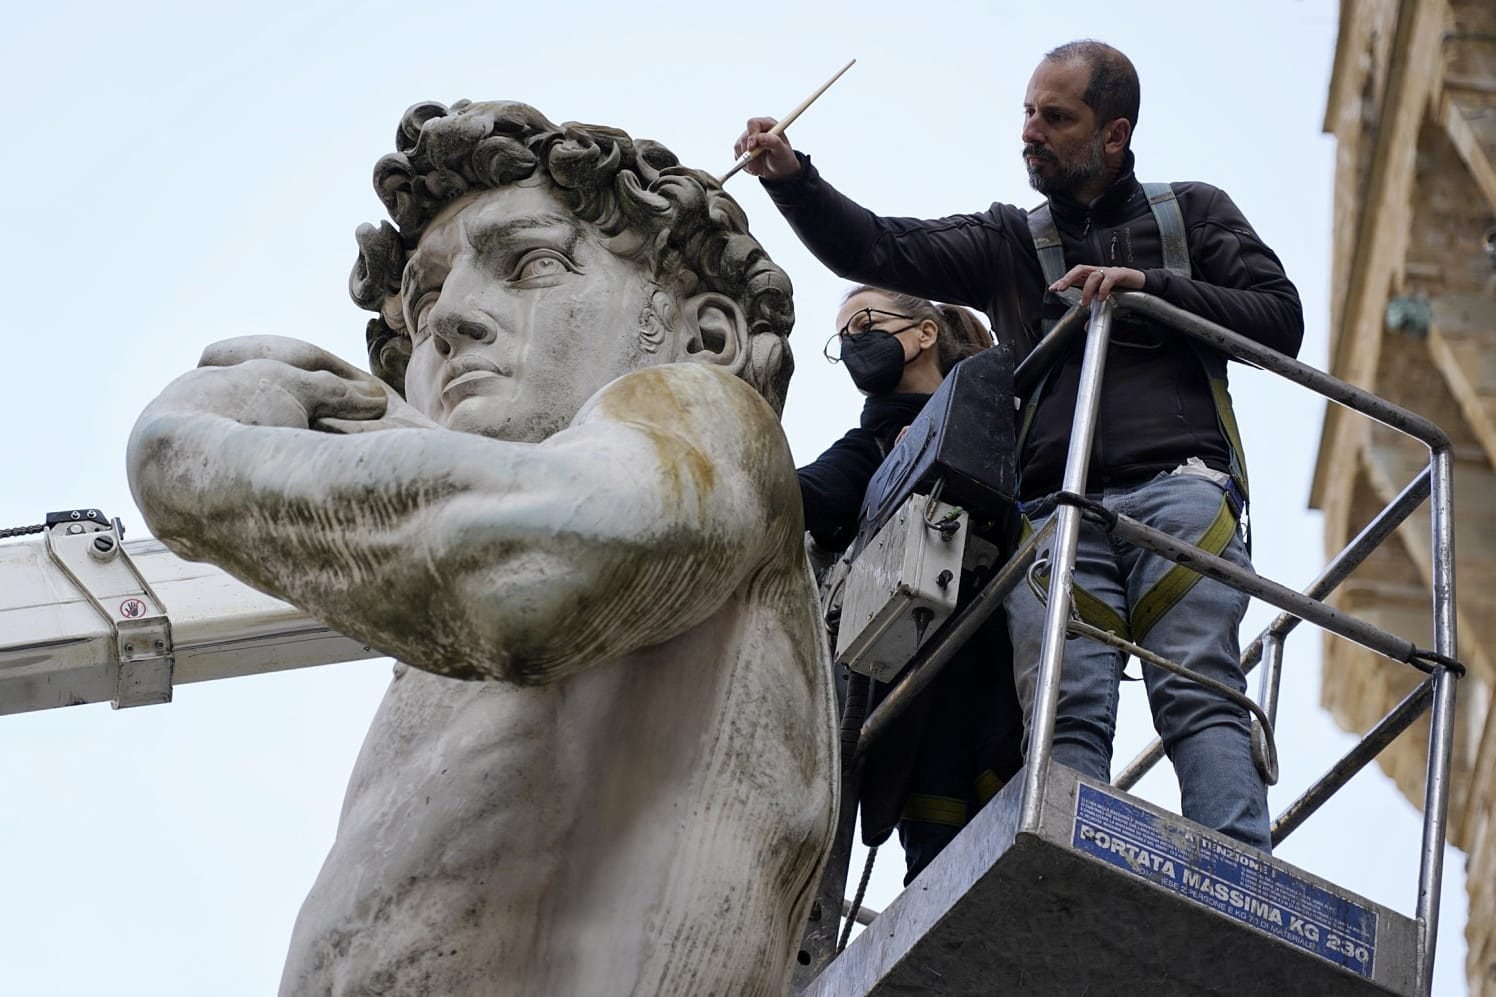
x=540 y=267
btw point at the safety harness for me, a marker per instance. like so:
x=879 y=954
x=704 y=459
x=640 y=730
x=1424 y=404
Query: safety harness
x=1178 y=580
x=949 y=810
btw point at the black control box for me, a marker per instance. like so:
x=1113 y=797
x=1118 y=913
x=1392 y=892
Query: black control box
x=965 y=436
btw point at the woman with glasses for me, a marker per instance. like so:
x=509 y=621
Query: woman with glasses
x=955 y=746
x=897 y=349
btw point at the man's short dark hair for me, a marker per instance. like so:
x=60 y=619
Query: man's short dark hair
x=1112 y=91
x=634 y=192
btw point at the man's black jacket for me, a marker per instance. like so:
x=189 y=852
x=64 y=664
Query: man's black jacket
x=1156 y=407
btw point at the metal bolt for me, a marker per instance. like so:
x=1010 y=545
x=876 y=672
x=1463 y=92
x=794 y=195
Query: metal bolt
x=129 y=648
x=160 y=644
x=103 y=544
x=74 y=529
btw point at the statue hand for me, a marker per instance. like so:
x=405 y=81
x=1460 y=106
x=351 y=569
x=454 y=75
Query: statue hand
x=777 y=160
x=271 y=381
x=198 y=446
x=334 y=395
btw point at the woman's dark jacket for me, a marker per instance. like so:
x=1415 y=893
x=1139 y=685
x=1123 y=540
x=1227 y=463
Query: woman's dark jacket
x=979 y=724
x=832 y=487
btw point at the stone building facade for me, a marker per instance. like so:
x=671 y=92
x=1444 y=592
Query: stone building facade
x=1412 y=105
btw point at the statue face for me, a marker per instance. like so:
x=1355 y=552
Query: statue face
x=518 y=313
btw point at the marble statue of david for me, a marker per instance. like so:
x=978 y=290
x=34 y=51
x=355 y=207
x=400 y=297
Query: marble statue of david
x=563 y=501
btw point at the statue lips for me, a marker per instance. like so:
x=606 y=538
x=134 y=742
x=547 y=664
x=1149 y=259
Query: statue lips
x=469 y=375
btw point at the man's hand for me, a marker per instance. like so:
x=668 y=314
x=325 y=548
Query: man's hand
x=1098 y=282
x=776 y=161
x=304 y=386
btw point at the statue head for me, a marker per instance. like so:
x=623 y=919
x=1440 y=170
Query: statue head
x=529 y=264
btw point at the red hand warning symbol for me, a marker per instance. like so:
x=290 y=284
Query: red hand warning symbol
x=132 y=608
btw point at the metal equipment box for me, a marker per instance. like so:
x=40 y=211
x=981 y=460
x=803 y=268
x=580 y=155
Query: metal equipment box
x=901 y=587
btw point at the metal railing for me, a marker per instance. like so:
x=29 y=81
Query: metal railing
x=1436 y=693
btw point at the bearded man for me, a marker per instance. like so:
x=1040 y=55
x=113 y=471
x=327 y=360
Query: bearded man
x=1166 y=450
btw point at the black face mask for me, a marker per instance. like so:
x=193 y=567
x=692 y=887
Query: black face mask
x=875 y=360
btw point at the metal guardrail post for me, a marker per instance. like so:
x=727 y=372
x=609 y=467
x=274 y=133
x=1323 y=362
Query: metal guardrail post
x=1062 y=566
x=1272 y=673
x=1441 y=723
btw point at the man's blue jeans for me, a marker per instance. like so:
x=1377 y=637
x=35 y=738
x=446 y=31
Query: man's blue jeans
x=1207 y=737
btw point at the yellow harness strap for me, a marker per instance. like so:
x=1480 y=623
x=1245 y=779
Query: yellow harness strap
x=1161 y=597
x=932 y=809
x=1168 y=590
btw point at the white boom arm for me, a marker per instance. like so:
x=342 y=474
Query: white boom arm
x=87 y=618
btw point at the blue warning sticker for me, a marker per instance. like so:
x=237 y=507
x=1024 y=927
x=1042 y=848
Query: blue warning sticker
x=1236 y=882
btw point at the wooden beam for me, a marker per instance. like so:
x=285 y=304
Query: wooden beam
x=1382 y=233
x=1462 y=346
x=1468 y=144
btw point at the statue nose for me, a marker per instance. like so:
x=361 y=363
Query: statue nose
x=454 y=327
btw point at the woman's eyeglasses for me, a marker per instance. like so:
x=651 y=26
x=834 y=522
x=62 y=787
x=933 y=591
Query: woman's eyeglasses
x=863 y=320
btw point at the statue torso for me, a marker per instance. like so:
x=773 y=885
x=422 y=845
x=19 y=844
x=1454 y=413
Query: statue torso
x=566 y=838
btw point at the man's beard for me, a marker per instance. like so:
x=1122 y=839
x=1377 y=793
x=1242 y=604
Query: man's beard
x=1069 y=179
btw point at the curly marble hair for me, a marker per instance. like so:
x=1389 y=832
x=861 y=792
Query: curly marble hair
x=634 y=193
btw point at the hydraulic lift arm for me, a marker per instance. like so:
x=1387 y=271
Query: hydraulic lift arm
x=88 y=618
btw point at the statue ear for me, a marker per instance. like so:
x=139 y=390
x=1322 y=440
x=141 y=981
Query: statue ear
x=714 y=331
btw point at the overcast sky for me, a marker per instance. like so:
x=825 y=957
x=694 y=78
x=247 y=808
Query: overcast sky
x=180 y=173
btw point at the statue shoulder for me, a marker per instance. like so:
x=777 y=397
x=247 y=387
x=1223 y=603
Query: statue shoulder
x=704 y=421
x=704 y=406
x=680 y=393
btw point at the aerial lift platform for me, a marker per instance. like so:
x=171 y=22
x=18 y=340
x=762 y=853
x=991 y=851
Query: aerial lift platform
x=1111 y=895
x=1060 y=885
